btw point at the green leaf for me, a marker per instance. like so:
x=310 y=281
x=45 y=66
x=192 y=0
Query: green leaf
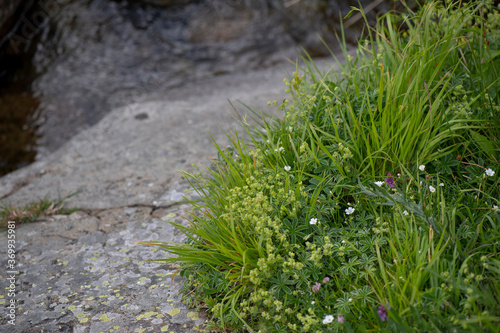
x=483 y=143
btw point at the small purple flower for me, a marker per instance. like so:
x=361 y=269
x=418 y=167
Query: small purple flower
x=382 y=312
x=390 y=181
x=315 y=287
x=340 y=319
x=326 y=279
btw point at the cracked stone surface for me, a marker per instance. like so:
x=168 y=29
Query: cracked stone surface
x=84 y=272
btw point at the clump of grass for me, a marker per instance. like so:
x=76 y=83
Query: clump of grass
x=32 y=211
x=373 y=204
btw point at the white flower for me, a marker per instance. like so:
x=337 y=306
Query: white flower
x=287 y=168
x=281 y=148
x=495 y=208
x=312 y=303
x=349 y=211
x=441 y=184
x=379 y=183
x=489 y=172
x=349 y=300
x=432 y=189
x=290 y=129
x=328 y=319
x=422 y=167
x=313 y=220
x=406 y=213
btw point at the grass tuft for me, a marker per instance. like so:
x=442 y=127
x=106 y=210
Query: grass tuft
x=32 y=211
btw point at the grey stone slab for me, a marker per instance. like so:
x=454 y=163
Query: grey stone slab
x=96 y=281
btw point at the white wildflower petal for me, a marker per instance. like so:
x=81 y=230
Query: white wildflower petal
x=495 y=208
x=287 y=168
x=379 y=183
x=313 y=220
x=489 y=172
x=441 y=184
x=406 y=213
x=432 y=189
x=328 y=319
x=349 y=211
x=422 y=167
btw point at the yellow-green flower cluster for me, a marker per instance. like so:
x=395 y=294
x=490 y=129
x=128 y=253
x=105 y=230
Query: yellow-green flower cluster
x=264 y=304
x=380 y=227
x=308 y=320
x=291 y=266
x=316 y=254
x=342 y=154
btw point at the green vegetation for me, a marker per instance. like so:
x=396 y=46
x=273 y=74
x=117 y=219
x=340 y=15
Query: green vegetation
x=372 y=205
x=30 y=212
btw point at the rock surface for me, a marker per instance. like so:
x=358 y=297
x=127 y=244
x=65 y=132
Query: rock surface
x=133 y=155
x=83 y=272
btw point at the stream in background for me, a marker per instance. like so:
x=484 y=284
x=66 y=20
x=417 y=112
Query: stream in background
x=65 y=63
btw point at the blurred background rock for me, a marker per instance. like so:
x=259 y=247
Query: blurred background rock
x=65 y=63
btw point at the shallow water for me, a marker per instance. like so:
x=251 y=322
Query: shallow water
x=69 y=62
